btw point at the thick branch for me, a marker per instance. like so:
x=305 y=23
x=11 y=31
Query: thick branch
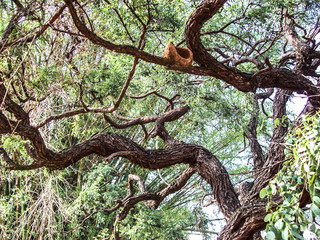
x=302 y=50
x=192 y=34
x=275 y=155
x=209 y=66
x=169 y=116
x=206 y=164
x=11 y=106
x=250 y=217
x=258 y=158
x=266 y=78
x=152 y=200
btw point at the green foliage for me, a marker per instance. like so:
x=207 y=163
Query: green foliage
x=300 y=173
x=56 y=64
x=14 y=143
x=158 y=224
x=32 y=210
x=61 y=208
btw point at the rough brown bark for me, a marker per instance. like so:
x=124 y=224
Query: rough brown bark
x=209 y=66
x=266 y=78
x=111 y=145
x=243 y=221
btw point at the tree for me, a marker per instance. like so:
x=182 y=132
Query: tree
x=62 y=66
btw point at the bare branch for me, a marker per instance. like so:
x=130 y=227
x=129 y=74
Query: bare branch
x=37 y=34
x=258 y=157
x=158 y=95
x=275 y=155
x=61 y=116
x=8 y=104
x=126 y=84
x=165 y=117
x=18 y=3
x=150 y=200
x=123 y=24
x=240 y=80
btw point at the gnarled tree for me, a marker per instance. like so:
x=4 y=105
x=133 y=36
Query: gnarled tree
x=66 y=61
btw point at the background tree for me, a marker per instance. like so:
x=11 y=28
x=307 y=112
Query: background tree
x=85 y=88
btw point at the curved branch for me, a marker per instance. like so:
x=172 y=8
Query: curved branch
x=202 y=161
x=249 y=218
x=61 y=116
x=29 y=38
x=275 y=77
x=86 y=109
x=166 y=117
x=209 y=66
x=169 y=100
x=8 y=104
x=258 y=158
x=192 y=34
x=275 y=154
x=151 y=201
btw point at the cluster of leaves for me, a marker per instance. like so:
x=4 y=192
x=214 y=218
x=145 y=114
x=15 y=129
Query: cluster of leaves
x=63 y=63
x=301 y=173
x=213 y=121
x=70 y=204
x=164 y=223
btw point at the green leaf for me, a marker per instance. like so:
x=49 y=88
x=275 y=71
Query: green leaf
x=316 y=200
x=263 y=193
x=289 y=217
x=297 y=235
x=274 y=189
x=285 y=233
x=270 y=236
x=315 y=210
x=300 y=180
x=279 y=224
x=268 y=217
